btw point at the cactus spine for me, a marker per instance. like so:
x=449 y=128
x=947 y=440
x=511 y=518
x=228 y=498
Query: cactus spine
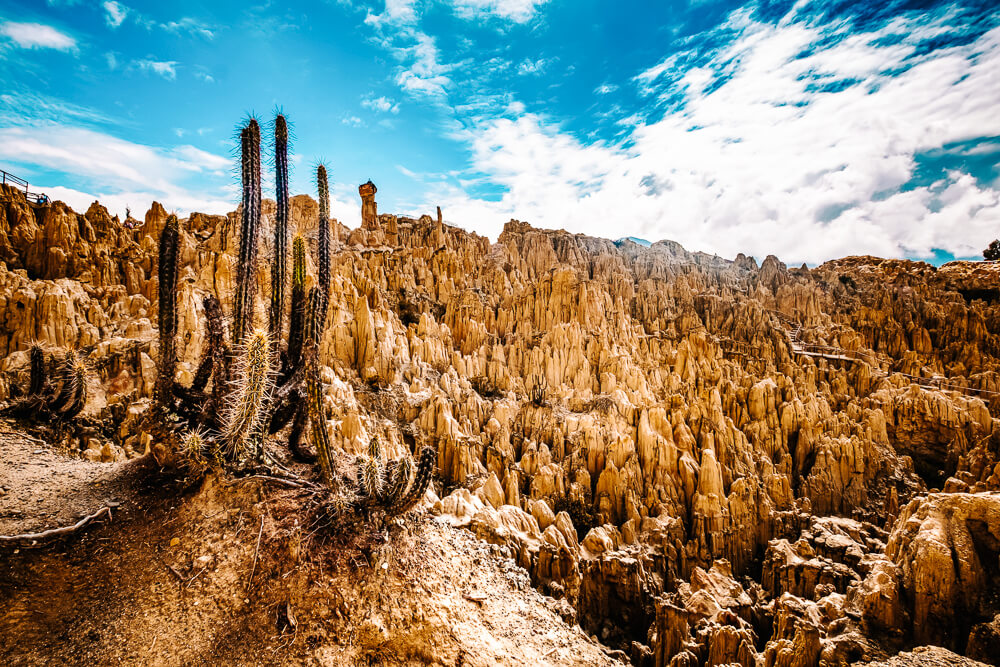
x=167 y=288
x=277 y=312
x=245 y=418
x=246 y=268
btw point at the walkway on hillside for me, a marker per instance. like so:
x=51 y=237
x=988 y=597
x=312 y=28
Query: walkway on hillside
x=792 y=330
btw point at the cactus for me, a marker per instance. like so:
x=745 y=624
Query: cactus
x=323 y=246
x=418 y=486
x=77 y=382
x=398 y=478
x=44 y=402
x=246 y=267
x=264 y=385
x=298 y=314
x=392 y=487
x=167 y=274
x=245 y=417
x=39 y=380
x=371 y=478
x=318 y=436
x=277 y=311
x=218 y=352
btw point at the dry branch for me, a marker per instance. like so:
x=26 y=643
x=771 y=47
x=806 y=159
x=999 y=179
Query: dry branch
x=55 y=532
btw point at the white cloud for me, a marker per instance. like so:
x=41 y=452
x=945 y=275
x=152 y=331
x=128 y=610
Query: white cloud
x=120 y=172
x=37 y=36
x=605 y=89
x=115 y=13
x=191 y=26
x=425 y=75
x=352 y=121
x=536 y=67
x=781 y=155
x=518 y=11
x=397 y=12
x=380 y=104
x=165 y=68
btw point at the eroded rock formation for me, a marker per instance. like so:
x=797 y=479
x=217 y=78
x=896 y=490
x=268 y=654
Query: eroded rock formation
x=711 y=462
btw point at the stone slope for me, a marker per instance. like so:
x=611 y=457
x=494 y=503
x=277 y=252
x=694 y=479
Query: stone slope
x=623 y=418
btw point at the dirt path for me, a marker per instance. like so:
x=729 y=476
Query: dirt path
x=41 y=488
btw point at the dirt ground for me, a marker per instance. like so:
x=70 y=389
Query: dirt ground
x=236 y=573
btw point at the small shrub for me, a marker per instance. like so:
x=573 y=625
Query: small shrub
x=992 y=252
x=535 y=388
x=485 y=387
x=579 y=511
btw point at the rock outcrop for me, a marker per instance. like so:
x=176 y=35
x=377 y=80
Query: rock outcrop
x=709 y=461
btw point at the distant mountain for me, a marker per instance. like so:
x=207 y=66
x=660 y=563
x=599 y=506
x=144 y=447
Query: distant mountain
x=635 y=239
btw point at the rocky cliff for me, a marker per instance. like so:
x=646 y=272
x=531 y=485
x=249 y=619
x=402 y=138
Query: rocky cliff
x=710 y=461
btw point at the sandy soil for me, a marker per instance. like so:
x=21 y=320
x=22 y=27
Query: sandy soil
x=236 y=573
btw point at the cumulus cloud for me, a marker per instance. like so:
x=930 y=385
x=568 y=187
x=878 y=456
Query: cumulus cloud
x=120 y=172
x=518 y=11
x=796 y=138
x=424 y=75
x=190 y=26
x=165 y=68
x=380 y=104
x=114 y=13
x=37 y=36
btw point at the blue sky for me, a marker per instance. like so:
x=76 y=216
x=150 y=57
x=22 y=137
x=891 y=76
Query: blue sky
x=810 y=130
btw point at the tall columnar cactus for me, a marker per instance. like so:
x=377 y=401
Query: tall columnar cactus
x=318 y=435
x=277 y=311
x=246 y=268
x=218 y=356
x=167 y=276
x=245 y=419
x=264 y=386
x=38 y=379
x=298 y=315
x=323 y=245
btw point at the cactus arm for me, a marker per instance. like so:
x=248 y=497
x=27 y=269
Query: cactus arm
x=39 y=380
x=220 y=356
x=278 y=269
x=416 y=491
x=246 y=268
x=319 y=437
x=245 y=416
x=399 y=475
x=167 y=275
x=298 y=314
x=78 y=388
x=323 y=263
x=62 y=397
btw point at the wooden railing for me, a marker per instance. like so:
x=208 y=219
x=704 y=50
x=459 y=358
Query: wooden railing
x=792 y=329
x=7 y=178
